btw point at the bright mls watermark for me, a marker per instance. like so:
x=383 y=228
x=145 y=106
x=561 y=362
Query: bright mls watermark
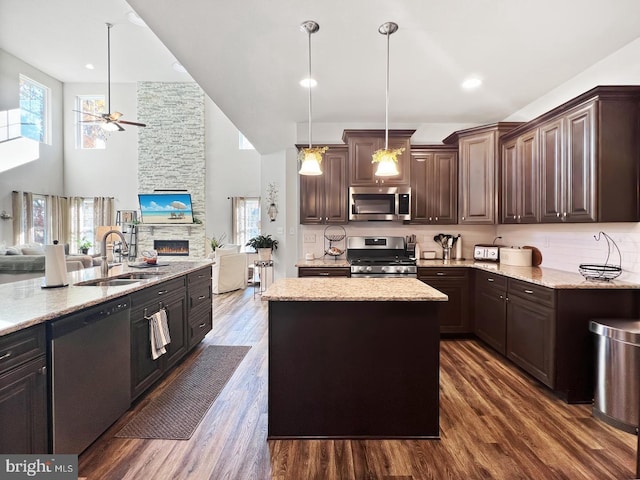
x=50 y=467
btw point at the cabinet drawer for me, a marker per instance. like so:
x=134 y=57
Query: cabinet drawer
x=199 y=294
x=202 y=275
x=324 y=272
x=444 y=272
x=158 y=292
x=492 y=280
x=20 y=347
x=532 y=292
x=199 y=326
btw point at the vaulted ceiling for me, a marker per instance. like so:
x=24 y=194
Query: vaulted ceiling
x=249 y=56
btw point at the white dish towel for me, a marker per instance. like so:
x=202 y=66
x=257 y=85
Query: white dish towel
x=158 y=333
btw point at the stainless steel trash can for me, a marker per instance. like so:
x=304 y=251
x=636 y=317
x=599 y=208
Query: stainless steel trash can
x=617 y=372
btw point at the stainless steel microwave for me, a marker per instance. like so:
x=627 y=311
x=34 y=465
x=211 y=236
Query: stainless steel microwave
x=379 y=203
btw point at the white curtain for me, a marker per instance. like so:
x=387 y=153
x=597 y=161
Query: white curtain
x=57 y=219
x=22 y=217
x=103 y=211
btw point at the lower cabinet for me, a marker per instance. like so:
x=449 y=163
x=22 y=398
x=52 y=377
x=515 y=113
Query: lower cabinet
x=187 y=302
x=491 y=309
x=324 y=272
x=23 y=392
x=454 y=282
x=530 y=329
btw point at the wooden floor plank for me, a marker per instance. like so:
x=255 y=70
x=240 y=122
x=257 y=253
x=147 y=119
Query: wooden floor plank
x=496 y=422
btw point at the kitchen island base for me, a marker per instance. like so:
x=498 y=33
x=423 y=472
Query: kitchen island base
x=353 y=369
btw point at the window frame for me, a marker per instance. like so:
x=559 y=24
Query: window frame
x=44 y=116
x=98 y=136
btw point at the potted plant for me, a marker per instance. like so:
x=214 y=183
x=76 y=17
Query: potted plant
x=84 y=245
x=263 y=244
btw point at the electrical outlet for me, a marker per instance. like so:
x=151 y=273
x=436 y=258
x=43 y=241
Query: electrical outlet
x=309 y=238
x=279 y=230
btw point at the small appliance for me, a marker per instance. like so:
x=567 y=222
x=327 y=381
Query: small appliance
x=379 y=203
x=486 y=252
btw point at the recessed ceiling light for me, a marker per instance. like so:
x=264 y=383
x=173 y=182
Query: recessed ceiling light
x=308 y=83
x=134 y=18
x=177 y=66
x=89 y=66
x=472 y=83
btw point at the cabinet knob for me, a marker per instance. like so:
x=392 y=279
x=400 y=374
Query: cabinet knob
x=6 y=355
x=42 y=370
x=441 y=274
x=514 y=217
x=436 y=219
x=501 y=297
x=463 y=218
x=558 y=214
x=529 y=292
x=429 y=218
x=490 y=280
x=518 y=218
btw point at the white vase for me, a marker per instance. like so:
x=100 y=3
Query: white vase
x=264 y=254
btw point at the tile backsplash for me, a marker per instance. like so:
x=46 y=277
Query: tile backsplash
x=563 y=246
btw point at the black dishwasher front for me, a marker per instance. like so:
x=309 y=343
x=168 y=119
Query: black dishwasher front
x=90 y=372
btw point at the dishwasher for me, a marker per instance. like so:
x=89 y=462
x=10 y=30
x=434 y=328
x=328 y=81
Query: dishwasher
x=90 y=374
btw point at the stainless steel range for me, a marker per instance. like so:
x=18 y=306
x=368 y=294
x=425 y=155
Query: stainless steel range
x=382 y=257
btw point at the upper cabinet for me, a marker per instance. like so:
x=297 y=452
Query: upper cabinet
x=324 y=198
x=434 y=185
x=363 y=143
x=479 y=168
x=520 y=179
x=583 y=157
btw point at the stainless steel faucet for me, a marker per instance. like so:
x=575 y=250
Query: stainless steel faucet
x=104 y=268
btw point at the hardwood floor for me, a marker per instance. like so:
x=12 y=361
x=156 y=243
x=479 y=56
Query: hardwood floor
x=496 y=423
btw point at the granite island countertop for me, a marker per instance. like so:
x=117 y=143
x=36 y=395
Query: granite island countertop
x=326 y=262
x=26 y=303
x=340 y=289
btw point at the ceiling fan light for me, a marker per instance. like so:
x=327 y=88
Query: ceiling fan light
x=109 y=127
x=308 y=82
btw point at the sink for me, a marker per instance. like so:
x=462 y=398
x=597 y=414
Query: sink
x=141 y=275
x=108 y=282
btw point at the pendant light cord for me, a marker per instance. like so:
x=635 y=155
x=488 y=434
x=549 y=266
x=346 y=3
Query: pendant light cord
x=109 y=25
x=386 y=115
x=309 y=80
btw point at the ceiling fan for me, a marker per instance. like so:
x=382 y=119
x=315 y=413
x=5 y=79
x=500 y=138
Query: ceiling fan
x=111 y=120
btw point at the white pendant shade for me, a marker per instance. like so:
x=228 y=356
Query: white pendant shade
x=310 y=165
x=387 y=168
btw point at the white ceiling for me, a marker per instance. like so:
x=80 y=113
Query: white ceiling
x=249 y=56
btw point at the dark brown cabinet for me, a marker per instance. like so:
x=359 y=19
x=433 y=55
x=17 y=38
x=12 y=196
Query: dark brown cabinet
x=23 y=392
x=324 y=198
x=434 y=185
x=530 y=329
x=454 y=282
x=490 y=319
x=170 y=295
x=520 y=179
x=200 y=311
x=362 y=145
x=588 y=159
x=324 y=272
x=479 y=172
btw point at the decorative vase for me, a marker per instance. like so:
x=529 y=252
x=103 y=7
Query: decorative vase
x=264 y=254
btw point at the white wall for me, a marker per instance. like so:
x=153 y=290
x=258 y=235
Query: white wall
x=44 y=175
x=108 y=172
x=231 y=172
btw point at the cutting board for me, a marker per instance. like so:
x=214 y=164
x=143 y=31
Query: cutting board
x=536 y=255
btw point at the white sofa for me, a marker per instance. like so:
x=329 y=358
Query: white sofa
x=229 y=269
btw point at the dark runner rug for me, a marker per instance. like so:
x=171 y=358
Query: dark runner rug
x=177 y=412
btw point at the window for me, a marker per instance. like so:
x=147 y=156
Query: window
x=34 y=110
x=39 y=212
x=81 y=213
x=244 y=143
x=89 y=133
x=246 y=219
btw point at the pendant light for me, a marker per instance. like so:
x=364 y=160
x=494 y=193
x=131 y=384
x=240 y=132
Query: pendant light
x=386 y=159
x=310 y=157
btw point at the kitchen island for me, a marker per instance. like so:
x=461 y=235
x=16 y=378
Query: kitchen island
x=353 y=358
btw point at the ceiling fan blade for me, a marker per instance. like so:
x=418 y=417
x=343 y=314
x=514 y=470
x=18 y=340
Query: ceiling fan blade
x=90 y=114
x=137 y=124
x=115 y=116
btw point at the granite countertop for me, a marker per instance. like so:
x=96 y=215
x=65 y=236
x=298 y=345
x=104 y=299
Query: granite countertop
x=324 y=262
x=26 y=303
x=547 y=277
x=343 y=289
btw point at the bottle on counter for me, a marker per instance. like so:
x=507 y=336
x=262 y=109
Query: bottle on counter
x=459 y=248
